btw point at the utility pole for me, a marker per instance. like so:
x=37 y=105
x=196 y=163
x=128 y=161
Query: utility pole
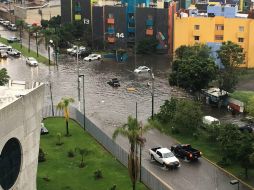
x=36 y=39
x=78 y=77
x=51 y=97
x=83 y=77
x=152 y=75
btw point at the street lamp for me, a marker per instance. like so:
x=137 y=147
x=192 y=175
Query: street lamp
x=234 y=182
x=83 y=78
x=51 y=42
x=51 y=98
x=152 y=92
x=77 y=51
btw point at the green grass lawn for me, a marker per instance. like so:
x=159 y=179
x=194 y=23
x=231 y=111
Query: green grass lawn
x=243 y=96
x=64 y=172
x=25 y=52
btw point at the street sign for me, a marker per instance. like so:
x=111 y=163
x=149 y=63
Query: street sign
x=86 y=21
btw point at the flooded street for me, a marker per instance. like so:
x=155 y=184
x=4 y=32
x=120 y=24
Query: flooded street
x=102 y=101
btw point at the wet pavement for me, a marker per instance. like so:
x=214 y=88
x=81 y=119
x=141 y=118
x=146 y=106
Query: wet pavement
x=110 y=107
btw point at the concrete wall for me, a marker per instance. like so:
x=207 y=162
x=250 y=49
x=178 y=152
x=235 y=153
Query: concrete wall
x=21 y=119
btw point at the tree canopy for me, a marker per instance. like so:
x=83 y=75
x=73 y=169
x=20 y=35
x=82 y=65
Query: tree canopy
x=231 y=56
x=147 y=46
x=3 y=76
x=193 y=68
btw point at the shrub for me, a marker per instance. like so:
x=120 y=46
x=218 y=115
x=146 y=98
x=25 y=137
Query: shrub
x=97 y=174
x=59 y=137
x=41 y=157
x=113 y=187
x=71 y=153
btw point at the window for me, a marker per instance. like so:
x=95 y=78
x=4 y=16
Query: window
x=196 y=38
x=241 y=40
x=241 y=28
x=219 y=27
x=218 y=37
x=196 y=27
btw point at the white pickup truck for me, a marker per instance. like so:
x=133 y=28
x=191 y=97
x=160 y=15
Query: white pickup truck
x=165 y=157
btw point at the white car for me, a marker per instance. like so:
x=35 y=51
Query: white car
x=69 y=50
x=142 y=69
x=31 y=61
x=92 y=57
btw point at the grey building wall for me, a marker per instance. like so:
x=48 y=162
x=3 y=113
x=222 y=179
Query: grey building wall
x=160 y=22
x=98 y=29
x=21 y=120
x=119 y=14
x=68 y=10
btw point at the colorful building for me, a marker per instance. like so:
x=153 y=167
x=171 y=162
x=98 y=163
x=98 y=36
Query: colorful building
x=216 y=29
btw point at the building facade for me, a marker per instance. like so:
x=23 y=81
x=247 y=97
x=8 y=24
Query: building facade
x=218 y=29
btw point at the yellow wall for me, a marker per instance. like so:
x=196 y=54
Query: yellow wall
x=184 y=33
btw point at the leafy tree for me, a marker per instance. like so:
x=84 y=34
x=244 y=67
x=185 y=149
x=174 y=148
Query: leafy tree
x=167 y=111
x=250 y=106
x=229 y=140
x=133 y=131
x=231 y=56
x=251 y=158
x=188 y=116
x=245 y=151
x=4 y=78
x=64 y=105
x=193 y=68
x=147 y=46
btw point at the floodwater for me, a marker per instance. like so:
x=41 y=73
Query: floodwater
x=103 y=101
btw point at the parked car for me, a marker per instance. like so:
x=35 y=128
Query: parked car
x=209 y=120
x=6 y=23
x=69 y=50
x=4 y=47
x=165 y=157
x=31 y=61
x=13 y=52
x=114 y=82
x=80 y=50
x=44 y=130
x=92 y=57
x=12 y=27
x=142 y=69
x=13 y=39
x=3 y=54
x=186 y=152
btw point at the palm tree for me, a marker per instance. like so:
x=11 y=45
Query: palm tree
x=64 y=105
x=83 y=152
x=133 y=131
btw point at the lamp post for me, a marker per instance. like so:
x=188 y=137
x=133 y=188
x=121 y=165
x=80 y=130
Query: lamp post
x=51 y=97
x=36 y=39
x=152 y=92
x=83 y=78
x=55 y=50
x=78 y=77
x=29 y=39
x=234 y=182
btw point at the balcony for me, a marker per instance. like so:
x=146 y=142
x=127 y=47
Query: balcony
x=131 y=29
x=131 y=20
x=111 y=30
x=111 y=39
x=111 y=21
x=77 y=9
x=149 y=22
x=77 y=17
x=149 y=32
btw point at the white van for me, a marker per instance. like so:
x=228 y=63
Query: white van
x=209 y=120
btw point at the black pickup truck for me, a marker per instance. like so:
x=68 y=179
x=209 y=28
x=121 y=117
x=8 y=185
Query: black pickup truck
x=186 y=152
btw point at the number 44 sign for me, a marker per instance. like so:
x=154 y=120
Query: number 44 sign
x=120 y=35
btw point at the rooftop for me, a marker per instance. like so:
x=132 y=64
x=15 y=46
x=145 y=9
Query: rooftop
x=14 y=90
